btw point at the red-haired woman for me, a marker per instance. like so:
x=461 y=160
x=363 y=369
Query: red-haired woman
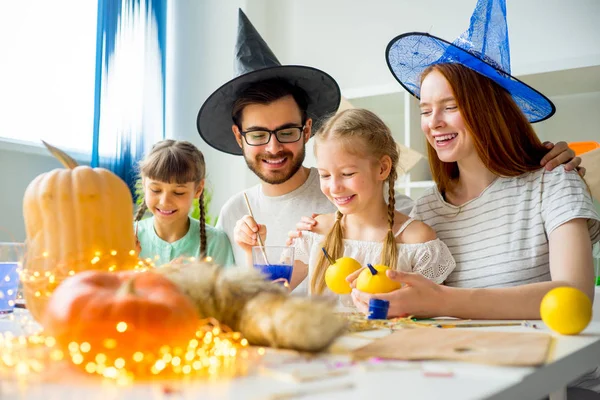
x=515 y=229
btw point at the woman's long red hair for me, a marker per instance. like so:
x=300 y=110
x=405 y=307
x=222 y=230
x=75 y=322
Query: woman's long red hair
x=504 y=140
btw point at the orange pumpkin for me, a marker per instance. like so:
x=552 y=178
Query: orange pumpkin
x=120 y=314
x=76 y=219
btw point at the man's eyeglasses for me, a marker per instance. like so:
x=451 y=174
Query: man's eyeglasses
x=284 y=135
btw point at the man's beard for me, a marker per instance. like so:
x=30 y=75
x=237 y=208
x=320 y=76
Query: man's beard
x=280 y=176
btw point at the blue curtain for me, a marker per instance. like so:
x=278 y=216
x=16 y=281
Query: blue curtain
x=129 y=105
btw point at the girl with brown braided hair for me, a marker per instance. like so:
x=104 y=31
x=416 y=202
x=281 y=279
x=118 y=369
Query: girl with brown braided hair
x=356 y=157
x=172 y=177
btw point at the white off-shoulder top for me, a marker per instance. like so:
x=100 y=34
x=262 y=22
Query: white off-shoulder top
x=431 y=259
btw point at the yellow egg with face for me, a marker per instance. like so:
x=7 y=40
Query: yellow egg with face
x=336 y=273
x=375 y=280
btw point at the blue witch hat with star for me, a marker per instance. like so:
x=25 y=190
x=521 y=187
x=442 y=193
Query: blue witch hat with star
x=483 y=48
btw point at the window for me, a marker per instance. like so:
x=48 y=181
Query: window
x=47 y=72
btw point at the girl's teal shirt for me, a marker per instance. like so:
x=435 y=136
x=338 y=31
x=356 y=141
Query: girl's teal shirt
x=161 y=252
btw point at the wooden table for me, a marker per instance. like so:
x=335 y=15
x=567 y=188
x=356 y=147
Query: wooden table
x=572 y=356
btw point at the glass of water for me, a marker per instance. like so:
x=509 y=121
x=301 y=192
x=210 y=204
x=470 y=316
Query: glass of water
x=11 y=261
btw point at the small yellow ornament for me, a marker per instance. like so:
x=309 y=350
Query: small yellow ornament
x=375 y=280
x=566 y=310
x=335 y=276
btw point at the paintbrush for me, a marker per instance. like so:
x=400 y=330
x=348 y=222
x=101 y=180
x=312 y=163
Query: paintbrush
x=260 y=242
x=478 y=325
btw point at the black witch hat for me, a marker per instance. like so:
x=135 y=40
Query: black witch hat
x=254 y=62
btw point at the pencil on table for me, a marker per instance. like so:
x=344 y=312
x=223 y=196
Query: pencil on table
x=479 y=325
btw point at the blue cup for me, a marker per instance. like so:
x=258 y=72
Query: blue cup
x=275 y=272
x=276 y=262
x=11 y=257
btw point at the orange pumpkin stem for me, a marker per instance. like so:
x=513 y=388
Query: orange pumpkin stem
x=66 y=160
x=127 y=288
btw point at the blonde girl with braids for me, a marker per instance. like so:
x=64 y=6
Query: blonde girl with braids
x=357 y=159
x=173 y=176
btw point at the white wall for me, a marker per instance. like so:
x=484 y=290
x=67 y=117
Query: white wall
x=575 y=119
x=200 y=46
x=17 y=169
x=348 y=38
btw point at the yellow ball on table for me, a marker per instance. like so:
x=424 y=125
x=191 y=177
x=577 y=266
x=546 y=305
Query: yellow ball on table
x=566 y=310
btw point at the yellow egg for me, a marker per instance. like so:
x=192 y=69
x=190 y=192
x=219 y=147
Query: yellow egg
x=335 y=275
x=566 y=310
x=375 y=280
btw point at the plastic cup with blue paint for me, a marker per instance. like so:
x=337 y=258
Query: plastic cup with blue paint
x=276 y=262
x=378 y=309
x=11 y=260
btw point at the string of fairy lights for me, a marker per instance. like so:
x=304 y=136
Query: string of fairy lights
x=214 y=352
